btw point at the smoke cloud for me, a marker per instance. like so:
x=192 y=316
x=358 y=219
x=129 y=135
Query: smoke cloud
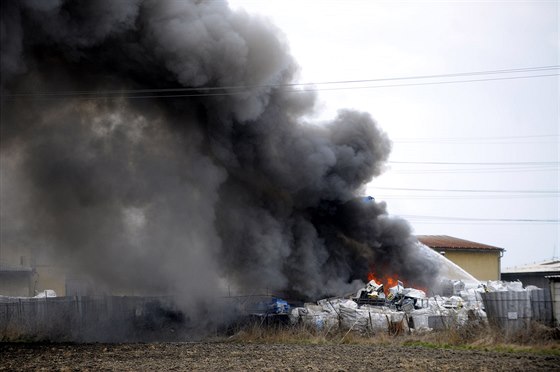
x=154 y=147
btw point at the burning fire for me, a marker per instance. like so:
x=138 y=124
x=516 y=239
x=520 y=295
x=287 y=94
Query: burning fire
x=387 y=281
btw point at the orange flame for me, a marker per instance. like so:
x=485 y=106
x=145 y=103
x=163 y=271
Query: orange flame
x=387 y=281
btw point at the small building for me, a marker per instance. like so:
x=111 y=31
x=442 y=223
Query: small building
x=22 y=274
x=17 y=281
x=533 y=274
x=480 y=260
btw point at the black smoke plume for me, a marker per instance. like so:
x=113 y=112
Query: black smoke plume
x=157 y=147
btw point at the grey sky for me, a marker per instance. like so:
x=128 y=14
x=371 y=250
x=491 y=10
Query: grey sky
x=351 y=40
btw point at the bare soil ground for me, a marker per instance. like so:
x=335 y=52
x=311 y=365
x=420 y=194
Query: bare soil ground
x=235 y=356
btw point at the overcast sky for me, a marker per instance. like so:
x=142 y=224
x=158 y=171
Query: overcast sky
x=507 y=129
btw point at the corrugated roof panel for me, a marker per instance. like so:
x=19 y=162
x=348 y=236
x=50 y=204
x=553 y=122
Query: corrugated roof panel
x=552 y=266
x=12 y=268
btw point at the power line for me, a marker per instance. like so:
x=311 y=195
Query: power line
x=485 y=223
x=524 y=220
x=552 y=139
x=527 y=141
x=204 y=91
x=473 y=143
x=428 y=139
x=427 y=83
x=195 y=95
x=529 y=163
x=481 y=167
x=461 y=197
x=467 y=171
x=473 y=191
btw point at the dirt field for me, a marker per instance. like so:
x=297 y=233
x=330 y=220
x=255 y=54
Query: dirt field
x=233 y=356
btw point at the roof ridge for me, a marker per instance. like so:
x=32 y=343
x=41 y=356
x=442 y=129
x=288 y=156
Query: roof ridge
x=450 y=242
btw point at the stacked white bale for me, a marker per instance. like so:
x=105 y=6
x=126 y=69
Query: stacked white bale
x=370 y=318
x=323 y=316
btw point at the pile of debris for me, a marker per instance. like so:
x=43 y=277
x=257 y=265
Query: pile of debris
x=373 y=310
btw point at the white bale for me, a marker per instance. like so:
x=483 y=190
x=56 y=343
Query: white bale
x=47 y=293
x=414 y=293
x=314 y=316
x=321 y=321
x=420 y=321
x=495 y=286
x=368 y=318
x=332 y=304
x=516 y=286
x=294 y=315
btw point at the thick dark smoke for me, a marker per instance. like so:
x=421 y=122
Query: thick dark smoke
x=112 y=171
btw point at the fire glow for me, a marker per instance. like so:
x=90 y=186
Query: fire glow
x=387 y=281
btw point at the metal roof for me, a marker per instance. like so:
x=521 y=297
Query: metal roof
x=4 y=267
x=551 y=266
x=445 y=242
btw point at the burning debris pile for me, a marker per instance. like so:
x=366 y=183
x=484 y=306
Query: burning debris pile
x=373 y=310
x=157 y=147
x=506 y=304
x=398 y=297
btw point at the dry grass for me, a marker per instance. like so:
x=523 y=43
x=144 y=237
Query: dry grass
x=294 y=334
x=535 y=338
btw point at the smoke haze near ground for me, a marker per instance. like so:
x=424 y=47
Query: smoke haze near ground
x=196 y=191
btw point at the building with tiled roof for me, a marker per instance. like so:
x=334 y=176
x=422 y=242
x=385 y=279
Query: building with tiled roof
x=480 y=260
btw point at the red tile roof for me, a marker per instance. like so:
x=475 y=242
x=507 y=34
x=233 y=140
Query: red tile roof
x=445 y=242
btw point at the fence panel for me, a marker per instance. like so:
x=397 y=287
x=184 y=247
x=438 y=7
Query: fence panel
x=514 y=310
x=91 y=319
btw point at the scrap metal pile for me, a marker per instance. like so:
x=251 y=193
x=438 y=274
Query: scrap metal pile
x=398 y=298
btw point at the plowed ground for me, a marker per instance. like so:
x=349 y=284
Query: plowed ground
x=235 y=356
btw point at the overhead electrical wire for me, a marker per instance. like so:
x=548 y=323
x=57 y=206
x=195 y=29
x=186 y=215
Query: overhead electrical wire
x=459 y=197
x=442 y=220
x=471 y=190
x=434 y=222
x=436 y=143
x=194 y=95
x=531 y=163
x=464 y=139
x=432 y=199
x=473 y=170
x=474 y=73
x=475 y=219
x=481 y=167
x=549 y=139
x=205 y=91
